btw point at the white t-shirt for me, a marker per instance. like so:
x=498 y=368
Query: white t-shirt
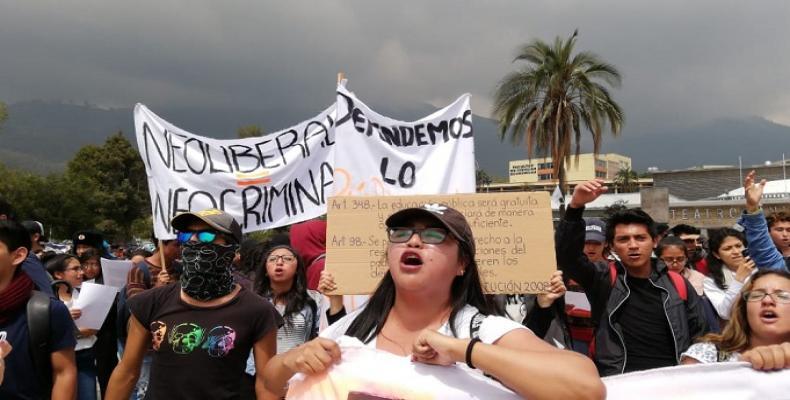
x=369 y=373
x=491 y=329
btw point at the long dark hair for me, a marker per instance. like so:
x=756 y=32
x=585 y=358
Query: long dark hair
x=715 y=265
x=296 y=298
x=465 y=289
x=57 y=263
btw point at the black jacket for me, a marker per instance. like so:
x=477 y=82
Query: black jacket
x=686 y=318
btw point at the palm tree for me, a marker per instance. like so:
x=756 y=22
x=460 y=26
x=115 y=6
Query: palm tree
x=547 y=102
x=626 y=180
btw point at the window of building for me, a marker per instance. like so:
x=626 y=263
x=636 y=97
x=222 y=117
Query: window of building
x=545 y=177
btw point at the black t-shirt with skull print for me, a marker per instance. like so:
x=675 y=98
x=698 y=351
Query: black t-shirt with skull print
x=200 y=352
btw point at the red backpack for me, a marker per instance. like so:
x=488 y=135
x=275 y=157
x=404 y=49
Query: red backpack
x=677 y=281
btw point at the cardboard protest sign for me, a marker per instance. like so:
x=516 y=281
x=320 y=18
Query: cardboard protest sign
x=377 y=155
x=513 y=235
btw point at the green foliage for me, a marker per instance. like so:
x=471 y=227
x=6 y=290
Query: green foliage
x=557 y=93
x=250 y=131
x=3 y=113
x=626 y=180
x=116 y=176
x=104 y=187
x=617 y=206
x=482 y=178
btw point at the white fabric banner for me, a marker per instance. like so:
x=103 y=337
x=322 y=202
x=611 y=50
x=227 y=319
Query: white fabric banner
x=379 y=156
x=726 y=380
x=369 y=374
x=366 y=373
x=286 y=177
x=264 y=182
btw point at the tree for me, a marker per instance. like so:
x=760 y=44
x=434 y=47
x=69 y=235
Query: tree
x=556 y=94
x=248 y=131
x=3 y=113
x=626 y=180
x=114 y=175
x=617 y=206
x=482 y=178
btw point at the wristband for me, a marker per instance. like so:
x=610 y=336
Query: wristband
x=469 y=348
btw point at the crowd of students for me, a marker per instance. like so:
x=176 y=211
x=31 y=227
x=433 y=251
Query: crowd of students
x=211 y=315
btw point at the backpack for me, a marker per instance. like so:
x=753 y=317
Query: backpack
x=38 y=328
x=122 y=322
x=677 y=281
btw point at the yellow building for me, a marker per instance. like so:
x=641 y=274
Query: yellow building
x=539 y=170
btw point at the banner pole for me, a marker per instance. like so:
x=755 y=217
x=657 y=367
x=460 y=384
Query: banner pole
x=162 y=256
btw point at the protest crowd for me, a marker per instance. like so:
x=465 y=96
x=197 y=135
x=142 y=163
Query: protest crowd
x=211 y=314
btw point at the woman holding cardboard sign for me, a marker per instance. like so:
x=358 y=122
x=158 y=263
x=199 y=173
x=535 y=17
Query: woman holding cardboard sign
x=430 y=307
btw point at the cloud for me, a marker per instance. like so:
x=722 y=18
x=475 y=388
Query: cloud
x=683 y=62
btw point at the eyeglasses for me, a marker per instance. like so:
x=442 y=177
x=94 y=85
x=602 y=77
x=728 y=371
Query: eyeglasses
x=273 y=259
x=676 y=260
x=779 y=296
x=427 y=235
x=75 y=269
x=206 y=236
x=692 y=241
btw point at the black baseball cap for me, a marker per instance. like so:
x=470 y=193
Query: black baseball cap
x=217 y=219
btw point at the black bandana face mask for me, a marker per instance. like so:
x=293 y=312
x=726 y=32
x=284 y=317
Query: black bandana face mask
x=207 y=269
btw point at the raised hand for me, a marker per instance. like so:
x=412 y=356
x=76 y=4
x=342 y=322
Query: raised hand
x=76 y=313
x=312 y=357
x=556 y=290
x=586 y=192
x=745 y=268
x=752 y=192
x=326 y=283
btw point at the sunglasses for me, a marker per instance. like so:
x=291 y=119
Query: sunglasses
x=427 y=235
x=206 y=236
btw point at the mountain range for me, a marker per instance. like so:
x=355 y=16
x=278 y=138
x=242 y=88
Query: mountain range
x=42 y=136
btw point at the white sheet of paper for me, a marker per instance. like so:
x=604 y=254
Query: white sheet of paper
x=114 y=272
x=579 y=300
x=95 y=301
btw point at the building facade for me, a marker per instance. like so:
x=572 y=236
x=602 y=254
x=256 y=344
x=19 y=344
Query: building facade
x=708 y=182
x=540 y=170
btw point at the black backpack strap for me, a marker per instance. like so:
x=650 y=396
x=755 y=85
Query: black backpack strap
x=38 y=327
x=474 y=325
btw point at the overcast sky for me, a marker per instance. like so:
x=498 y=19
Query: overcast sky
x=683 y=62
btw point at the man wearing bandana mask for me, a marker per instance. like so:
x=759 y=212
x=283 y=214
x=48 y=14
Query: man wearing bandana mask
x=204 y=327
